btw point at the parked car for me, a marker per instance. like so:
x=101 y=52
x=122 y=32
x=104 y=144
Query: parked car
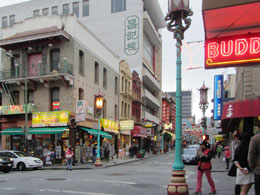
x=194 y=146
x=21 y=160
x=189 y=156
x=6 y=164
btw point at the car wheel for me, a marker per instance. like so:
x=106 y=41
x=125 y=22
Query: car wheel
x=6 y=171
x=35 y=168
x=21 y=166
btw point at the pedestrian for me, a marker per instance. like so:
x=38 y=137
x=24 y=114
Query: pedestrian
x=94 y=152
x=219 y=150
x=131 y=152
x=69 y=158
x=254 y=159
x=227 y=156
x=245 y=177
x=204 y=156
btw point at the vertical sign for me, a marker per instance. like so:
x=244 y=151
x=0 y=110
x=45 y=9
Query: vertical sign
x=164 y=111
x=81 y=111
x=218 y=96
x=131 y=35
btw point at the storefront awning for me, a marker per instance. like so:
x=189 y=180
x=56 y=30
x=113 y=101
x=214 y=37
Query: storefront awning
x=241 y=109
x=95 y=132
x=139 y=131
x=37 y=130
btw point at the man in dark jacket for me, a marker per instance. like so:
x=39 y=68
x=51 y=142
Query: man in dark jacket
x=254 y=159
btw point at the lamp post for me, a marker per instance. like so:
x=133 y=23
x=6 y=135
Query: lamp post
x=99 y=107
x=17 y=63
x=178 y=12
x=203 y=104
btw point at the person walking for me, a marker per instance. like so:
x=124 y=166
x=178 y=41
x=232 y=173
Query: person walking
x=245 y=177
x=94 y=152
x=219 y=150
x=204 y=155
x=227 y=156
x=131 y=151
x=254 y=159
x=69 y=158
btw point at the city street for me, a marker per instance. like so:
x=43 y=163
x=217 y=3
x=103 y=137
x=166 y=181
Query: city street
x=147 y=176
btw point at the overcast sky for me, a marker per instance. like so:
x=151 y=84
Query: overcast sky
x=192 y=55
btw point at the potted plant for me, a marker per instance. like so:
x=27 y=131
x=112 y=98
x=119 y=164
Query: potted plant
x=140 y=154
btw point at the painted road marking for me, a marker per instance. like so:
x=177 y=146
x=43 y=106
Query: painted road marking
x=108 y=181
x=72 y=192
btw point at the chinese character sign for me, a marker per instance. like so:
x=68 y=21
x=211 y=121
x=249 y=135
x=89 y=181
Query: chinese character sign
x=164 y=111
x=218 y=96
x=131 y=35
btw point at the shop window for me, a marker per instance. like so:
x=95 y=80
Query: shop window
x=30 y=97
x=115 y=112
x=54 y=10
x=118 y=6
x=96 y=72
x=104 y=108
x=65 y=10
x=36 y=13
x=4 y=21
x=116 y=85
x=85 y=8
x=16 y=96
x=105 y=78
x=81 y=62
x=55 y=59
x=55 y=99
x=12 y=20
x=81 y=94
x=75 y=8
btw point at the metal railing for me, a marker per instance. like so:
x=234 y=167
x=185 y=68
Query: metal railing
x=38 y=70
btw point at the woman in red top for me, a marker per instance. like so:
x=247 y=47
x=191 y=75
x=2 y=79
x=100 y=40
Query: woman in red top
x=69 y=158
x=227 y=156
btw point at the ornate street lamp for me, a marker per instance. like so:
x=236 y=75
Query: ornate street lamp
x=178 y=11
x=99 y=108
x=203 y=104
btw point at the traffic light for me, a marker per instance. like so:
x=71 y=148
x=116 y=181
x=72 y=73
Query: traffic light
x=205 y=137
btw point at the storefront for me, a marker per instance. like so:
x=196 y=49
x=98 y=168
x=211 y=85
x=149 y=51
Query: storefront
x=139 y=133
x=125 y=137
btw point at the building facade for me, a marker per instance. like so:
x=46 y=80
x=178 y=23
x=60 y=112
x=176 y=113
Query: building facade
x=62 y=66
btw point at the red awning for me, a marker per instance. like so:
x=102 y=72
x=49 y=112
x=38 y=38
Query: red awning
x=231 y=20
x=241 y=109
x=139 y=131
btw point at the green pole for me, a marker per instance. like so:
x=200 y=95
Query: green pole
x=162 y=144
x=203 y=115
x=178 y=164
x=98 y=146
x=26 y=112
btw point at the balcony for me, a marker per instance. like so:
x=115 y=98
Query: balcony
x=150 y=82
x=151 y=117
x=39 y=73
x=150 y=100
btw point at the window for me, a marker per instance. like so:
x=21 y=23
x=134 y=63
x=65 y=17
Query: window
x=126 y=86
x=123 y=84
x=15 y=68
x=65 y=10
x=128 y=111
x=96 y=72
x=118 y=5
x=125 y=110
x=4 y=21
x=81 y=62
x=85 y=8
x=81 y=94
x=55 y=59
x=45 y=11
x=116 y=85
x=12 y=20
x=104 y=108
x=75 y=8
x=55 y=99
x=16 y=96
x=148 y=51
x=30 y=97
x=54 y=10
x=105 y=78
x=122 y=109
x=36 y=12
x=115 y=112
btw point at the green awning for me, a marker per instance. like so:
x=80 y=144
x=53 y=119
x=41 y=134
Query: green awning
x=12 y=131
x=95 y=132
x=34 y=130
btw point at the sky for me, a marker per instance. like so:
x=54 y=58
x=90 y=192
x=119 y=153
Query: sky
x=192 y=56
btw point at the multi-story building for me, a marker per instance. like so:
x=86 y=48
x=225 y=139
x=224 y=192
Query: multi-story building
x=130 y=28
x=61 y=65
x=168 y=112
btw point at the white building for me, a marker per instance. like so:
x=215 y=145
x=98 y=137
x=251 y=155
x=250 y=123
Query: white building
x=130 y=28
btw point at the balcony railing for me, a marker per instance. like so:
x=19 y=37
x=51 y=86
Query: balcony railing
x=37 y=71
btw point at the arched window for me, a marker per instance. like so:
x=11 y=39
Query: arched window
x=55 y=59
x=81 y=94
x=81 y=62
x=115 y=112
x=104 y=108
x=96 y=73
x=55 y=99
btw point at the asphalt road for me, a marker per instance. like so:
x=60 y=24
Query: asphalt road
x=145 y=177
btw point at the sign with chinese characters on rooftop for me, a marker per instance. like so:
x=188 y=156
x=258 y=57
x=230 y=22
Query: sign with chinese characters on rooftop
x=131 y=46
x=232 y=51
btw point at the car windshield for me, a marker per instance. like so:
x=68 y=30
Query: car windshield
x=21 y=154
x=189 y=152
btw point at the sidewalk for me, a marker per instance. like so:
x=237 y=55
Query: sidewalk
x=111 y=163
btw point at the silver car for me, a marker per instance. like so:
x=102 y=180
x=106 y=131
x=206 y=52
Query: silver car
x=189 y=156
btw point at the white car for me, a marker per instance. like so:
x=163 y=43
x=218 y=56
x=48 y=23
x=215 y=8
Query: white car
x=189 y=156
x=22 y=160
x=194 y=146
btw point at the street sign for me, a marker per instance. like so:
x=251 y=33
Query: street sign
x=81 y=111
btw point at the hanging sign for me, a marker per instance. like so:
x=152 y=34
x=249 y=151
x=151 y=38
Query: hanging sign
x=131 y=35
x=232 y=51
x=81 y=111
x=218 y=96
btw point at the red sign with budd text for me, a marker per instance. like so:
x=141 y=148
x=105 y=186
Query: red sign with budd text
x=232 y=51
